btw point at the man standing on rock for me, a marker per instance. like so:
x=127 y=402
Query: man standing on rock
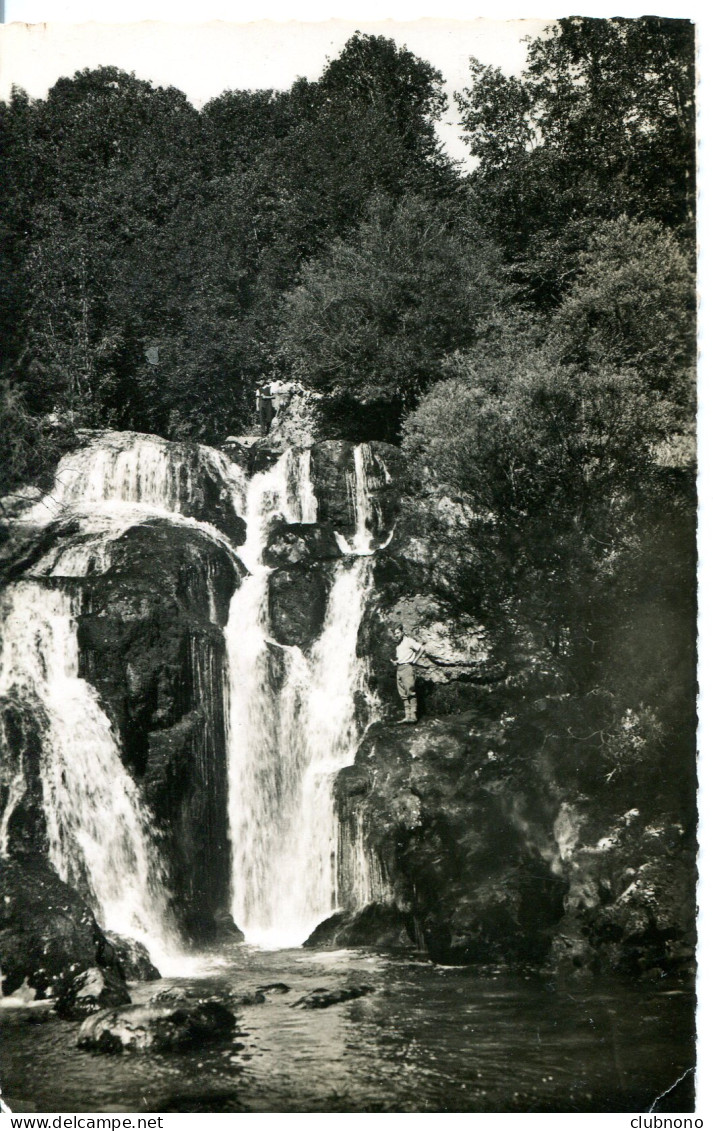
x=264 y=407
x=408 y=653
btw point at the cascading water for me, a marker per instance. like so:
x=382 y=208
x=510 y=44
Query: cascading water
x=369 y=472
x=97 y=829
x=291 y=717
x=140 y=470
x=292 y=726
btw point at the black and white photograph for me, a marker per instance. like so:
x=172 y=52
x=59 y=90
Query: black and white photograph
x=348 y=565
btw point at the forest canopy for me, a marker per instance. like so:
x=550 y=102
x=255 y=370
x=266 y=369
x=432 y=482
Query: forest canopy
x=159 y=261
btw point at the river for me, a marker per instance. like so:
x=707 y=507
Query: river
x=427 y=1039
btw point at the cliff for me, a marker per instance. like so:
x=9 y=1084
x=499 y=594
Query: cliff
x=486 y=834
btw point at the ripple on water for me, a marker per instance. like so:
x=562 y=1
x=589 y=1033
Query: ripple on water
x=425 y=1040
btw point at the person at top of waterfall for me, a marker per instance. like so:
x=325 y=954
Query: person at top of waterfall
x=408 y=653
x=270 y=397
x=264 y=407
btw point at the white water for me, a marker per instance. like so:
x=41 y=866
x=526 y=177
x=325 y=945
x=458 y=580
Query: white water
x=145 y=471
x=292 y=727
x=119 y=480
x=98 y=830
x=369 y=472
x=291 y=717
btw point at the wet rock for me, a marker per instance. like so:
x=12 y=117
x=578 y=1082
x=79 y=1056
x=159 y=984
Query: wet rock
x=439 y=814
x=185 y=994
x=150 y=644
x=274 y=988
x=254 y=998
x=89 y=992
x=377 y=925
x=138 y=1028
x=47 y=932
x=133 y=959
x=299 y=543
x=333 y=478
x=322 y=998
x=298 y=603
x=458 y=648
x=226 y=928
x=631 y=902
x=199 y=486
x=332 y=463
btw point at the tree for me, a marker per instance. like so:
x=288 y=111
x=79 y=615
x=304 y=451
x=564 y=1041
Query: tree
x=601 y=124
x=632 y=305
x=375 y=316
x=576 y=545
x=104 y=162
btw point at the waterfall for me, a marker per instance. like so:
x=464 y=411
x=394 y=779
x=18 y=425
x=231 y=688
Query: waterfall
x=369 y=473
x=143 y=471
x=292 y=726
x=290 y=717
x=98 y=831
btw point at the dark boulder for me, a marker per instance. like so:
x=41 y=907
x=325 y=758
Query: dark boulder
x=442 y=816
x=300 y=543
x=151 y=643
x=169 y=1028
x=226 y=929
x=334 y=481
x=22 y=723
x=133 y=959
x=323 y=998
x=298 y=604
x=630 y=907
x=332 y=464
x=377 y=925
x=47 y=932
x=79 y=996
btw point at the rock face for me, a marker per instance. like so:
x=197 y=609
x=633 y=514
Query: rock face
x=335 y=485
x=21 y=723
x=437 y=809
x=151 y=643
x=47 y=932
x=292 y=544
x=471 y=836
x=139 y=1028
